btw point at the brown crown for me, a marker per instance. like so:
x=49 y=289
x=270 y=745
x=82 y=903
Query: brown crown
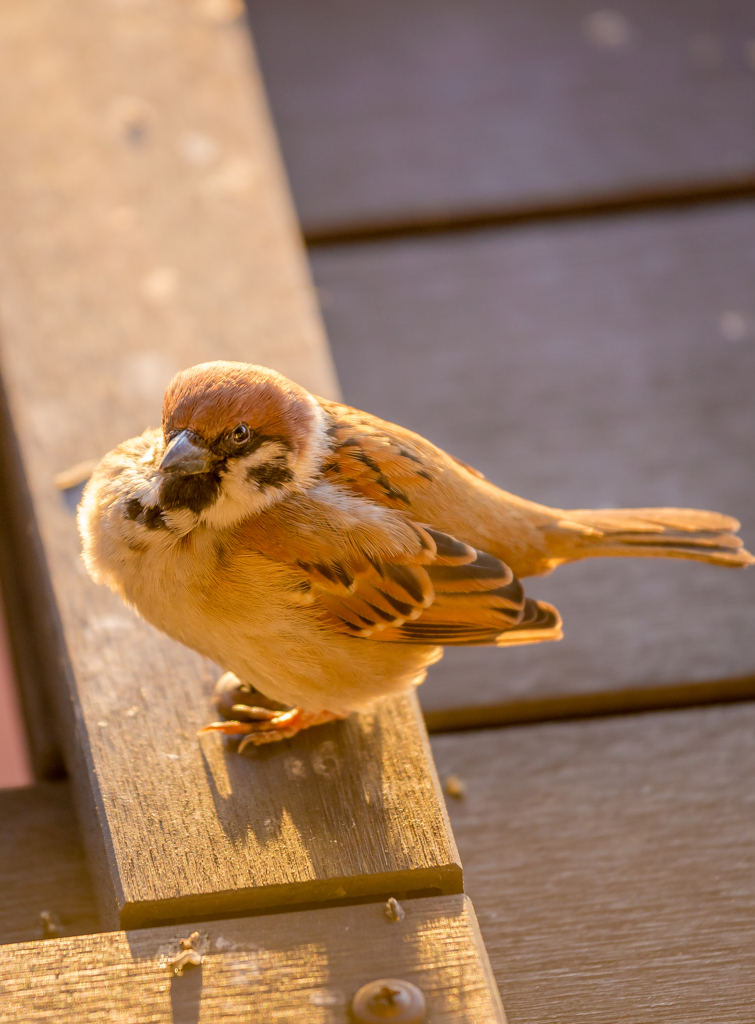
x=212 y=398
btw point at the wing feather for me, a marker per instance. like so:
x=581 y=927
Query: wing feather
x=369 y=571
x=375 y=572
x=383 y=461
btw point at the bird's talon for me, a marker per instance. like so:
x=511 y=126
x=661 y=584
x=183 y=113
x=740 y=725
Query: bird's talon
x=266 y=722
x=282 y=727
x=284 y=717
x=254 y=713
x=228 y=728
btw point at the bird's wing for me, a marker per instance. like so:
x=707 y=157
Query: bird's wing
x=383 y=461
x=370 y=571
x=397 y=468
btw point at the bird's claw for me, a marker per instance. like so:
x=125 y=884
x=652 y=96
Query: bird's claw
x=247 y=712
x=254 y=724
x=265 y=721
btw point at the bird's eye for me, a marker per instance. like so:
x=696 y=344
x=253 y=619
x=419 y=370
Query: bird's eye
x=240 y=434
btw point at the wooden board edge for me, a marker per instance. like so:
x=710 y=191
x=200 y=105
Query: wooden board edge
x=558 y=707
x=299 y=897
x=435 y=944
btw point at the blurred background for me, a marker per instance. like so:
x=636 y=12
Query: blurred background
x=532 y=231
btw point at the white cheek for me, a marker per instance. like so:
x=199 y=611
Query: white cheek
x=147 y=490
x=180 y=521
x=265 y=453
x=309 y=461
x=241 y=496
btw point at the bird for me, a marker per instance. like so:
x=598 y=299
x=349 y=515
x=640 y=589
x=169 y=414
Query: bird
x=323 y=557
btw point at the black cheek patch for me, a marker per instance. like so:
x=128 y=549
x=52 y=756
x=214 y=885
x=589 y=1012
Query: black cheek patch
x=151 y=517
x=134 y=509
x=270 y=474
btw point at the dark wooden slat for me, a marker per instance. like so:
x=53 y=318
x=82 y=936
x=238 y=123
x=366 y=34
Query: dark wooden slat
x=34 y=664
x=612 y=864
x=15 y=761
x=145 y=226
x=42 y=865
x=285 y=967
x=420 y=111
x=608 y=363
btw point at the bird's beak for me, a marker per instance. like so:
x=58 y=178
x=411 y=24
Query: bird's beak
x=184 y=457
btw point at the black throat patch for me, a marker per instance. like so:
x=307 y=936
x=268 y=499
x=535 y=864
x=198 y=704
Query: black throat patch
x=196 y=492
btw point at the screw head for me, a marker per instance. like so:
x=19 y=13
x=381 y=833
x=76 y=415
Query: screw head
x=389 y=999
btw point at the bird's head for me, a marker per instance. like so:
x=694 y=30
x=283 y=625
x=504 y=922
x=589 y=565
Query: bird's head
x=237 y=439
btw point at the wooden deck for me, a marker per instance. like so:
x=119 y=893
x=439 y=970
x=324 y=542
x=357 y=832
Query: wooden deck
x=531 y=233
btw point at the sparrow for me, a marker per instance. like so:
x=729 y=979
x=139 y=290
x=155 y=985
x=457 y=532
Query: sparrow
x=324 y=557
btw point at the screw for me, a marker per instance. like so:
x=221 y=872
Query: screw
x=389 y=999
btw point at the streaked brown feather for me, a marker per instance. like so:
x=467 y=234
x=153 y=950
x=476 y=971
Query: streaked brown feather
x=540 y=622
x=483 y=574
x=430 y=588
x=382 y=461
x=395 y=467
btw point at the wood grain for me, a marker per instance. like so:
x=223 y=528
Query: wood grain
x=612 y=864
x=401 y=112
x=42 y=865
x=145 y=226
x=607 y=363
x=285 y=967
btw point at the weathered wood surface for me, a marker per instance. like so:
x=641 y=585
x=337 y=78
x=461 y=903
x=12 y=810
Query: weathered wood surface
x=612 y=865
x=404 y=111
x=145 y=226
x=607 y=363
x=285 y=967
x=42 y=865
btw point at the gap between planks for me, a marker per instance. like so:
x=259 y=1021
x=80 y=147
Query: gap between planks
x=446 y=222
x=631 y=701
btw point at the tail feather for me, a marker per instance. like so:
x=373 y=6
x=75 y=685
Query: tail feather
x=653 y=533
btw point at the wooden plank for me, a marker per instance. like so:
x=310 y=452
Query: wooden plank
x=42 y=866
x=611 y=864
x=404 y=112
x=146 y=226
x=285 y=967
x=144 y=188
x=607 y=363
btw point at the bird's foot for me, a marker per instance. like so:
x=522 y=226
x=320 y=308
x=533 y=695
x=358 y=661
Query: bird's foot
x=257 y=724
x=270 y=726
x=283 y=727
